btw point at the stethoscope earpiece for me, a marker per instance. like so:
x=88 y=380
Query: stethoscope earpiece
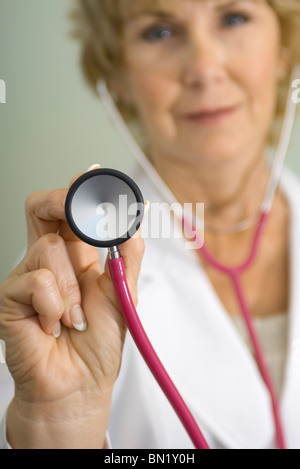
x=104 y=208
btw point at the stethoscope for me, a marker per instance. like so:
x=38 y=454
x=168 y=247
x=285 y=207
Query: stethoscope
x=105 y=208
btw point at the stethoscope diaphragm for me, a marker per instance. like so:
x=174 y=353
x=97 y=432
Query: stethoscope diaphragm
x=104 y=208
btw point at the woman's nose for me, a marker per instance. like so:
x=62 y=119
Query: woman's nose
x=205 y=62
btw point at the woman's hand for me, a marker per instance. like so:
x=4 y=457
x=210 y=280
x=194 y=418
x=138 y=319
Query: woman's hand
x=64 y=332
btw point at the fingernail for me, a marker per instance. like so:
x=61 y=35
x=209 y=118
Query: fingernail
x=93 y=166
x=78 y=318
x=56 y=332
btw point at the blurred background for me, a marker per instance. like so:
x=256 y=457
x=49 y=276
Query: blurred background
x=52 y=126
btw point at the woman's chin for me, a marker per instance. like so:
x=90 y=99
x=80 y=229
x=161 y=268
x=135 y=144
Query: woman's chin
x=214 y=154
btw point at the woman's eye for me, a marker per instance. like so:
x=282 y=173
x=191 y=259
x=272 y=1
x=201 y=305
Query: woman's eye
x=235 y=19
x=159 y=33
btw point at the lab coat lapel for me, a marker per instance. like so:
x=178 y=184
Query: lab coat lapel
x=291 y=392
x=213 y=370
x=221 y=383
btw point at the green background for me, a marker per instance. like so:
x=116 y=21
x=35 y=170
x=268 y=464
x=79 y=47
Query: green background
x=52 y=126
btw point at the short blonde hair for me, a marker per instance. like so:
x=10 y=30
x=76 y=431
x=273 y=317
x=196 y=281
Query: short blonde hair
x=98 y=24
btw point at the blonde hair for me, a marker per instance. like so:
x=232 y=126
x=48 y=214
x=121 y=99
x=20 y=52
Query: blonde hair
x=98 y=24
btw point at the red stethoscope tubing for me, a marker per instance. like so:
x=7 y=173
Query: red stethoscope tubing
x=118 y=275
x=235 y=273
x=117 y=272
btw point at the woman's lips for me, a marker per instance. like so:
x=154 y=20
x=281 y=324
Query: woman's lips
x=211 y=117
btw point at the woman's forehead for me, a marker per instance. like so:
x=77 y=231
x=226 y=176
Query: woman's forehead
x=130 y=8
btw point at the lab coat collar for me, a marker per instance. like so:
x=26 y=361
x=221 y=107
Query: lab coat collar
x=232 y=403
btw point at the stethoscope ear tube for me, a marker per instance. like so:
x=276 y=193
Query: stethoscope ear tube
x=118 y=276
x=118 y=272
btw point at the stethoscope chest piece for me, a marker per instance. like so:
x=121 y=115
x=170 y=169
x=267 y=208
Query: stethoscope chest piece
x=104 y=208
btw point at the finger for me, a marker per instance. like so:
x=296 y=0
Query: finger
x=50 y=253
x=39 y=294
x=90 y=168
x=45 y=213
x=65 y=230
x=82 y=255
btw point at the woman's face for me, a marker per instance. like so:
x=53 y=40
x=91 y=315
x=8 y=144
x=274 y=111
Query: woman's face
x=203 y=75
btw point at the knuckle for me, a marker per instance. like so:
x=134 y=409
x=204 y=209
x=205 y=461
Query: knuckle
x=4 y=304
x=2 y=297
x=42 y=280
x=71 y=289
x=31 y=201
x=54 y=198
x=37 y=201
x=51 y=198
x=51 y=242
x=2 y=288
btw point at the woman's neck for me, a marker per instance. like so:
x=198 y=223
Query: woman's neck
x=231 y=191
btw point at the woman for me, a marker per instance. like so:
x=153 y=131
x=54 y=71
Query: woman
x=204 y=78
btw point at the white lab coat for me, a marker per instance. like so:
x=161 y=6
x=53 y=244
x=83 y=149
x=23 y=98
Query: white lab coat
x=203 y=353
